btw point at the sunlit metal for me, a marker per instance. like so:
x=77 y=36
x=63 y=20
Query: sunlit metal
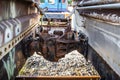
x=105 y=6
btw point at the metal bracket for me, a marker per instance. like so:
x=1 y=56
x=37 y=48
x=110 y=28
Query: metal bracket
x=7 y=47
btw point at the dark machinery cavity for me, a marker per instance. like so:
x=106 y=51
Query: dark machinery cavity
x=83 y=44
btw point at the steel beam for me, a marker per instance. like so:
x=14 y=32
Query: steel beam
x=98 y=2
x=105 y=6
x=5 y=49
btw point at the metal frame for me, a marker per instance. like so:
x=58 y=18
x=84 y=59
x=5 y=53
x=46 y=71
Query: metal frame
x=58 y=78
x=7 y=47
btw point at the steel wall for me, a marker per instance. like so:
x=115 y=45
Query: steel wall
x=105 y=39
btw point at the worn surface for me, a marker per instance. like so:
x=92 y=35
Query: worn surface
x=105 y=39
x=13 y=12
x=12 y=8
x=105 y=71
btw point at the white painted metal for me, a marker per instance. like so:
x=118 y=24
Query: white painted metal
x=8 y=35
x=9 y=45
x=77 y=23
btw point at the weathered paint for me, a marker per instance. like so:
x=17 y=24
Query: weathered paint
x=105 y=39
x=105 y=71
x=77 y=22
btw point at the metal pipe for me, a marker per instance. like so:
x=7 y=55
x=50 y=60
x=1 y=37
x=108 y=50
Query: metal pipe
x=98 y=2
x=90 y=3
x=105 y=6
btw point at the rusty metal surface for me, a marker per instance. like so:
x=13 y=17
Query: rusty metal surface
x=11 y=9
x=59 y=78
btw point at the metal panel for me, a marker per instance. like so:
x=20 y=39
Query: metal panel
x=105 y=39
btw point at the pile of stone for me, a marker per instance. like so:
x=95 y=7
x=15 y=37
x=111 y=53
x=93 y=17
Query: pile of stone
x=73 y=64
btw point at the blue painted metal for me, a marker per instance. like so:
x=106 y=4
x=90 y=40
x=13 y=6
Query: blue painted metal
x=57 y=6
